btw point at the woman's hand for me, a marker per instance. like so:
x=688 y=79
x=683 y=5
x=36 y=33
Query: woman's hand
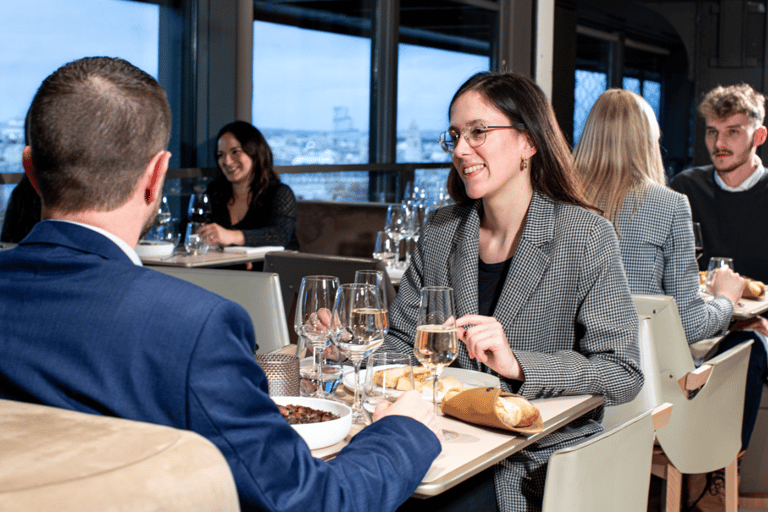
x=214 y=234
x=727 y=283
x=486 y=342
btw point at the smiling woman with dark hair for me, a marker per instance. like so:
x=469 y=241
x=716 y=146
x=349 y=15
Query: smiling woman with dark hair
x=541 y=296
x=249 y=204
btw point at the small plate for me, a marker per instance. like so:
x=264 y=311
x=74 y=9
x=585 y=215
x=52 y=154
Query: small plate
x=468 y=378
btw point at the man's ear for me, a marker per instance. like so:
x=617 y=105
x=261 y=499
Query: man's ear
x=29 y=168
x=760 y=135
x=155 y=176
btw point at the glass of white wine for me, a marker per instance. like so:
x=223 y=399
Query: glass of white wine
x=437 y=343
x=358 y=329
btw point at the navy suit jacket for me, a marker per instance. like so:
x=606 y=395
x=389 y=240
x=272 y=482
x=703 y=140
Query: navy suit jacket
x=83 y=328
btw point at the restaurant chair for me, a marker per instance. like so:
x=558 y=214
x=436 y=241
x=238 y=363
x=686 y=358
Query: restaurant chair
x=293 y=266
x=67 y=461
x=258 y=292
x=609 y=471
x=704 y=433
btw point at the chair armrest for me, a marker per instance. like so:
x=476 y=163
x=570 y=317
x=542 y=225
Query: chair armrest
x=661 y=415
x=695 y=380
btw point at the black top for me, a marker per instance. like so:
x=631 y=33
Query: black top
x=490 y=282
x=733 y=224
x=270 y=219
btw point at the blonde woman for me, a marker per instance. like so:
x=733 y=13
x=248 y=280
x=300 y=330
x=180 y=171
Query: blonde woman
x=619 y=161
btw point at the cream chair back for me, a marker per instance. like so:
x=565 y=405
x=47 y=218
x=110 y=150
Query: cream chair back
x=704 y=432
x=258 y=292
x=606 y=473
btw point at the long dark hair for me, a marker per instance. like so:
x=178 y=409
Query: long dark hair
x=529 y=111
x=255 y=146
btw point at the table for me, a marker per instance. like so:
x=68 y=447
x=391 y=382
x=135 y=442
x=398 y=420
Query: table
x=746 y=308
x=478 y=448
x=213 y=258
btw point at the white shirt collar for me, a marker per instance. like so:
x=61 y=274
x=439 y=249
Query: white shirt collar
x=127 y=249
x=744 y=185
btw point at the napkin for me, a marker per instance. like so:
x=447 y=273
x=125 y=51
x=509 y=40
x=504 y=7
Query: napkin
x=251 y=250
x=478 y=406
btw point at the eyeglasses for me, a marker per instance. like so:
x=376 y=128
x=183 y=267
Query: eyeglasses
x=474 y=134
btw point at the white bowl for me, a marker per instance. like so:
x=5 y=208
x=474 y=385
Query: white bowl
x=325 y=433
x=154 y=249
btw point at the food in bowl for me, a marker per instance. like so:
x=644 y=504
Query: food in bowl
x=324 y=433
x=300 y=415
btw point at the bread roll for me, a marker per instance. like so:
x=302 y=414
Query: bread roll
x=389 y=377
x=753 y=289
x=516 y=411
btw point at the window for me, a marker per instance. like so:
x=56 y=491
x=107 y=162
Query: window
x=312 y=90
x=39 y=36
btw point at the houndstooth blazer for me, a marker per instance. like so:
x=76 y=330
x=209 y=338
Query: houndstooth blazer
x=656 y=242
x=566 y=311
x=565 y=305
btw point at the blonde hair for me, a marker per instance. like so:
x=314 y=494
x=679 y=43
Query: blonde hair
x=618 y=151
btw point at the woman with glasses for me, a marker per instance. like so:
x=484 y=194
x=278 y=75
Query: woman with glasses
x=619 y=161
x=541 y=296
x=249 y=205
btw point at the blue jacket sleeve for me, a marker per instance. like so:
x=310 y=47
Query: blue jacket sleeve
x=273 y=468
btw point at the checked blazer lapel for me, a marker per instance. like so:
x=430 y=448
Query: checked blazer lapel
x=462 y=264
x=530 y=261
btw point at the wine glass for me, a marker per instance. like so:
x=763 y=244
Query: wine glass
x=313 y=319
x=376 y=279
x=199 y=212
x=715 y=264
x=384 y=249
x=410 y=226
x=437 y=343
x=163 y=213
x=697 y=240
x=396 y=218
x=358 y=329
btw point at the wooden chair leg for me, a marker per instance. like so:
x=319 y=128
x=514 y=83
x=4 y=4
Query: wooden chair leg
x=732 y=486
x=674 y=489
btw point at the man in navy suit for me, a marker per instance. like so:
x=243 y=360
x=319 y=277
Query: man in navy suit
x=86 y=327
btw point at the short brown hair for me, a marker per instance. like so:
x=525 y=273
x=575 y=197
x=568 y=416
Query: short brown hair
x=528 y=110
x=724 y=102
x=94 y=125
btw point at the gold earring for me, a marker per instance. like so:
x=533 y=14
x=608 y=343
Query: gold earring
x=523 y=164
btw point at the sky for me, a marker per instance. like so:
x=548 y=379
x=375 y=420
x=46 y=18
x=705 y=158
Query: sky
x=300 y=75
x=38 y=36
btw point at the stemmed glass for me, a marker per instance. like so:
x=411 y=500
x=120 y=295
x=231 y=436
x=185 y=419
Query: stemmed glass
x=313 y=319
x=358 y=329
x=396 y=219
x=437 y=343
x=376 y=279
x=698 y=245
x=410 y=226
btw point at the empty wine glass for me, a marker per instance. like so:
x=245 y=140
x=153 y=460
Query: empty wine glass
x=436 y=344
x=376 y=279
x=313 y=319
x=396 y=218
x=384 y=249
x=715 y=264
x=358 y=329
x=698 y=245
x=163 y=213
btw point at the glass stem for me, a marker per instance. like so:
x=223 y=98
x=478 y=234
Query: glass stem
x=357 y=407
x=434 y=392
x=317 y=369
